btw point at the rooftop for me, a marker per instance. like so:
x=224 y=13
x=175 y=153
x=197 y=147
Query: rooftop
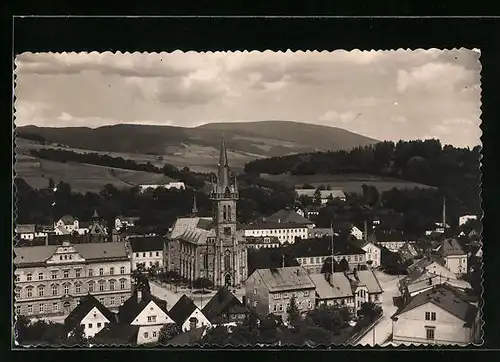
x=147 y=243
x=446 y=297
x=288 y=278
x=451 y=247
x=287 y=216
x=332 y=286
x=368 y=279
x=182 y=309
x=133 y=306
x=323 y=246
x=87 y=303
x=223 y=302
x=266 y=225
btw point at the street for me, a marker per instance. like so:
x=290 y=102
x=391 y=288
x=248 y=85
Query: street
x=383 y=329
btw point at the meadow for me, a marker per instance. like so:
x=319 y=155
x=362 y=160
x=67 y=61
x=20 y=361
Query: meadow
x=349 y=183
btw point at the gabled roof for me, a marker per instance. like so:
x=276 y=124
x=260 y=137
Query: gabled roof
x=68 y=219
x=287 y=216
x=337 y=285
x=83 y=308
x=116 y=335
x=223 y=302
x=283 y=279
x=188 y=338
x=133 y=307
x=182 y=309
x=451 y=247
x=25 y=228
x=276 y=225
x=147 y=243
x=446 y=297
x=368 y=279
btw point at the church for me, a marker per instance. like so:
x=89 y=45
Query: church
x=211 y=247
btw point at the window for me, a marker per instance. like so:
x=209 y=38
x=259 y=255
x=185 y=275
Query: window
x=101 y=285
x=91 y=272
x=30 y=292
x=55 y=307
x=28 y=277
x=280 y=307
x=122 y=299
x=101 y=300
x=122 y=270
x=376 y=297
x=91 y=286
x=40 y=276
x=146 y=335
x=433 y=316
x=427 y=316
x=306 y=293
x=18 y=310
x=98 y=325
x=152 y=319
x=77 y=273
x=122 y=284
x=66 y=289
x=112 y=301
x=143 y=255
x=101 y=271
x=111 y=271
x=276 y=295
x=90 y=325
x=41 y=308
x=66 y=274
x=309 y=304
x=429 y=332
x=18 y=279
x=275 y=308
x=150 y=254
x=55 y=289
x=157 y=253
x=285 y=295
x=78 y=288
x=111 y=285
x=154 y=334
x=30 y=308
x=40 y=291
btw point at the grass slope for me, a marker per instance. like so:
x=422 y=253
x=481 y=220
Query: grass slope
x=198 y=147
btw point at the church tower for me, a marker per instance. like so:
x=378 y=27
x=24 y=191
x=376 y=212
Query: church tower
x=224 y=196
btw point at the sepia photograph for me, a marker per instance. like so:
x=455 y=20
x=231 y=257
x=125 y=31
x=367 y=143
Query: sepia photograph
x=259 y=199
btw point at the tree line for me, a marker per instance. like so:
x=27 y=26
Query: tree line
x=455 y=170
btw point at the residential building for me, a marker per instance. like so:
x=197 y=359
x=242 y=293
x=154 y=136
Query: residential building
x=30 y=231
x=285 y=232
x=147 y=251
x=258 y=242
x=288 y=216
x=326 y=195
x=91 y=315
x=433 y=265
x=455 y=259
x=462 y=220
x=168 y=186
x=270 y=290
x=311 y=211
x=212 y=248
x=66 y=225
x=312 y=253
x=320 y=233
x=146 y=312
x=187 y=315
x=51 y=279
x=438 y=316
x=407 y=252
x=373 y=253
x=225 y=309
x=392 y=240
x=333 y=289
x=125 y=222
x=366 y=287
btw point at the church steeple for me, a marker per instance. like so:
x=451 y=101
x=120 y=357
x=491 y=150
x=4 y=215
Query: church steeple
x=223 y=167
x=95 y=216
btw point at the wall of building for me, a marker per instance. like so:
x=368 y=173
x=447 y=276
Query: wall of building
x=149 y=258
x=410 y=327
x=257 y=295
x=284 y=235
x=202 y=321
x=457 y=264
x=280 y=301
x=93 y=322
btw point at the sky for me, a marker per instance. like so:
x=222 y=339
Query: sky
x=387 y=95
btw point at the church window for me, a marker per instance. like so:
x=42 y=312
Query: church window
x=229 y=212
x=205 y=261
x=224 y=212
x=227 y=259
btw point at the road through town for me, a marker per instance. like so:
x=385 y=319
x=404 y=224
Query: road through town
x=381 y=332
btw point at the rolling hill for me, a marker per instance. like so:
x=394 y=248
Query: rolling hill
x=198 y=146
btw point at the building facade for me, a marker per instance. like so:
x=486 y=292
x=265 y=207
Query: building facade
x=147 y=251
x=270 y=290
x=211 y=248
x=285 y=232
x=51 y=279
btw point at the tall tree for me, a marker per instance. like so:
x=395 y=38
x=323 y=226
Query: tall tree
x=293 y=312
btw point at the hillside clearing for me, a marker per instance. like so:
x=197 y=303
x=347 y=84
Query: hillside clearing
x=348 y=183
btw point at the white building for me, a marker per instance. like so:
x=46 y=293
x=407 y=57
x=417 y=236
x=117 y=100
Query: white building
x=463 y=219
x=30 y=231
x=187 y=315
x=455 y=259
x=125 y=221
x=262 y=242
x=148 y=251
x=285 y=232
x=146 y=312
x=170 y=185
x=66 y=225
x=372 y=253
x=91 y=315
x=438 y=316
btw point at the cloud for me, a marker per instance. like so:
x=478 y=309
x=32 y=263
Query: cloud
x=431 y=76
x=354 y=90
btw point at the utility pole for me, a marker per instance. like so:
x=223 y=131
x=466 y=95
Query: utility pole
x=373 y=336
x=333 y=258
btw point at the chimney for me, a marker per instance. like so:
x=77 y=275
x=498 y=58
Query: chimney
x=139 y=295
x=279 y=221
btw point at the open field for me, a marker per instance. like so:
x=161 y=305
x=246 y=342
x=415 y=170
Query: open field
x=348 y=183
x=82 y=177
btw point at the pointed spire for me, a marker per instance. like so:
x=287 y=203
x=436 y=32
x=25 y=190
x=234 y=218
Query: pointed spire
x=95 y=215
x=223 y=167
x=195 y=208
